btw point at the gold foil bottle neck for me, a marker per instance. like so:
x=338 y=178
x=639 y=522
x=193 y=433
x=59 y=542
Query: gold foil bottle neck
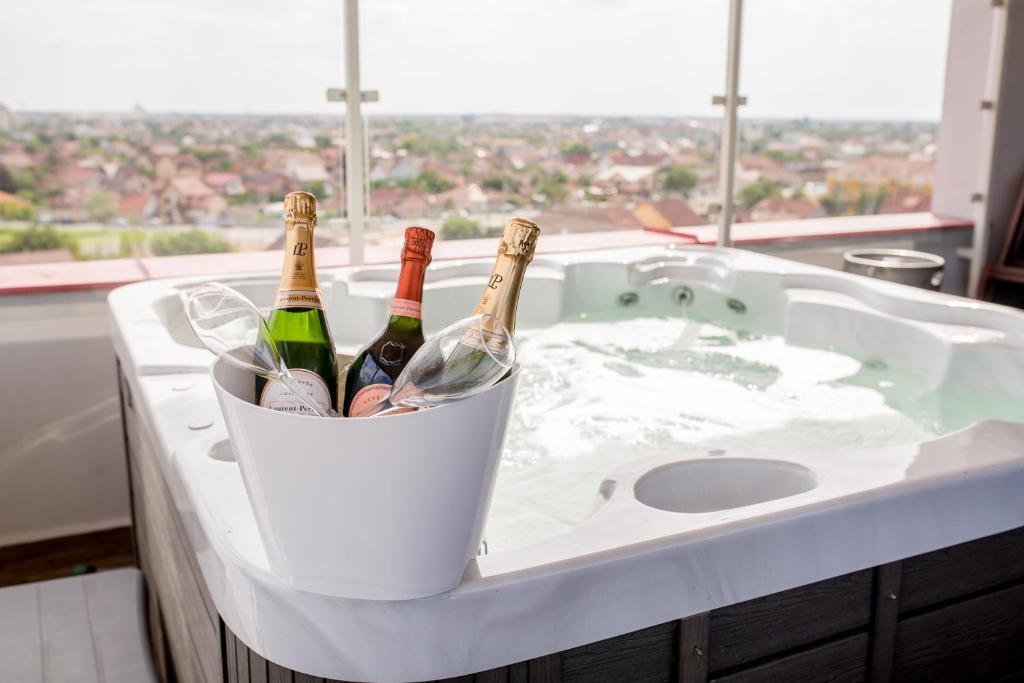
x=519 y=238
x=300 y=207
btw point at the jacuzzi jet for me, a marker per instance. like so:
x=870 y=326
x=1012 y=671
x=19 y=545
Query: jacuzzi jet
x=629 y=298
x=682 y=295
x=876 y=364
x=736 y=306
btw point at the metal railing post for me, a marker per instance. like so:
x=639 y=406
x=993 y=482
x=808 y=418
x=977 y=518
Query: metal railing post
x=727 y=148
x=355 y=154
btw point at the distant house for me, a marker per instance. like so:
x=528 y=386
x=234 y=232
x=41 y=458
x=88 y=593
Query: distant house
x=509 y=146
x=167 y=167
x=188 y=199
x=73 y=186
x=400 y=203
x=753 y=167
x=381 y=169
x=128 y=180
x=383 y=200
x=626 y=179
x=163 y=148
x=135 y=207
x=785 y=209
x=226 y=183
x=403 y=170
x=879 y=169
x=667 y=213
x=638 y=159
x=331 y=156
x=576 y=159
x=906 y=200
x=302 y=167
x=268 y=183
x=571 y=219
x=16 y=159
x=188 y=165
x=469 y=196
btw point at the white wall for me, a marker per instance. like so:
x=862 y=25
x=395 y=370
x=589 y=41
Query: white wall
x=959 y=137
x=1008 y=154
x=62 y=463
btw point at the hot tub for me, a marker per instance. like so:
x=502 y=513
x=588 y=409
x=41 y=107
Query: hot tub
x=695 y=428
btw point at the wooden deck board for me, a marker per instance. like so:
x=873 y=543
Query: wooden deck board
x=56 y=558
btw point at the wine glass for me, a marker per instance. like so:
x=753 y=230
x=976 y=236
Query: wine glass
x=461 y=360
x=229 y=325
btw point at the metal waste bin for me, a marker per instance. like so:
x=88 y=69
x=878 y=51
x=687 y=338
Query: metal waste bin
x=914 y=268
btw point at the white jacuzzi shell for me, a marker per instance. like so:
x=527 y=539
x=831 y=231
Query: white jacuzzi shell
x=629 y=565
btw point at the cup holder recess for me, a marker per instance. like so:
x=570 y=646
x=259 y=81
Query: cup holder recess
x=695 y=486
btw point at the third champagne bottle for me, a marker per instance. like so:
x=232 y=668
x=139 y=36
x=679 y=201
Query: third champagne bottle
x=376 y=366
x=500 y=297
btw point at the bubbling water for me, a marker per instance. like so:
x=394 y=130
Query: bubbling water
x=596 y=395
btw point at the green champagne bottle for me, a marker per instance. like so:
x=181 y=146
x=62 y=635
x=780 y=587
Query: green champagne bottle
x=297 y=322
x=379 y=363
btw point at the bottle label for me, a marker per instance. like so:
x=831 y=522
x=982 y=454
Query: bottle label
x=407 y=308
x=277 y=396
x=366 y=397
x=298 y=298
x=298 y=286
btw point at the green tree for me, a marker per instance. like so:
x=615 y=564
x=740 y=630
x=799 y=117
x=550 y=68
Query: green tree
x=130 y=243
x=432 y=183
x=553 y=187
x=36 y=238
x=678 y=179
x=756 y=191
x=99 y=206
x=572 y=148
x=317 y=188
x=869 y=201
x=190 y=242
x=457 y=227
x=11 y=211
x=831 y=203
x=498 y=183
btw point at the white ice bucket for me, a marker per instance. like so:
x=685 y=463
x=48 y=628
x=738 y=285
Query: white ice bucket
x=381 y=508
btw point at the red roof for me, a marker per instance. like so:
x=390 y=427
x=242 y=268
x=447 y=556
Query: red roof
x=220 y=178
x=797 y=207
x=191 y=187
x=645 y=159
x=677 y=212
x=134 y=203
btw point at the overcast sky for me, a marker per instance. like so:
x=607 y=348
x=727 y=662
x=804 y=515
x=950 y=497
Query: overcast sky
x=823 y=59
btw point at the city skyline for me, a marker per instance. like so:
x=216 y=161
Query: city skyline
x=586 y=58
